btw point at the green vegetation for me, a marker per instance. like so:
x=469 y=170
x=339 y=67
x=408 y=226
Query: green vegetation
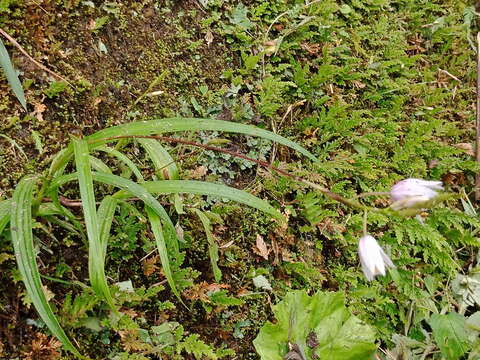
x=159 y=262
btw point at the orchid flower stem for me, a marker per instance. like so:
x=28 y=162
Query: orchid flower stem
x=365 y=219
x=352 y=203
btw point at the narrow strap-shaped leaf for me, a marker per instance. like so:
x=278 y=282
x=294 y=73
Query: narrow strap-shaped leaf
x=192 y=124
x=212 y=245
x=123 y=158
x=206 y=188
x=165 y=166
x=5 y=208
x=161 y=126
x=156 y=225
x=189 y=186
x=22 y=237
x=106 y=211
x=11 y=75
x=137 y=190
x=95 y=249
x=99 y=165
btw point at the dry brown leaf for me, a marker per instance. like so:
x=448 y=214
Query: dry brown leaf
x=200 y=291
x=467 y=147
x=261 y=248
x=313 y=49
x=287 y=255
x=91 y=24
x=131 y=342
x=38 y=110
x=48 y=294
x=149 y=265
x=43 y=348
x=130 y=313
x=209 y=37
x=198 y=173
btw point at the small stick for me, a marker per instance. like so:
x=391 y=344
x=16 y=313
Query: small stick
x=22 y=50
x=477 y=140
x=450 y=75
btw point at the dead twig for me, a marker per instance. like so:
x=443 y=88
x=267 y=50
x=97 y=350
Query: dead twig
x=450 y=75
x=22 y=50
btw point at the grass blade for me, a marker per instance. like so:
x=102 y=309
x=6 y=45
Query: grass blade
x=156 y=225
x=5 y=208
x=11 y=75
x=22 y=237
x=188 y=124
x=123 y=158
x=165 y=166
x=96 y=261
x=212 y=245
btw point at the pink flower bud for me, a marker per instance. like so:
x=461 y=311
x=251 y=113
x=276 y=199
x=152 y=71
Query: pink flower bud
x=372 y=257
x=409 y=192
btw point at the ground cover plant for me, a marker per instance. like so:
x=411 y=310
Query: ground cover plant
x=377 y=91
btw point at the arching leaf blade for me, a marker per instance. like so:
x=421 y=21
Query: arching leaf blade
x=22 y=238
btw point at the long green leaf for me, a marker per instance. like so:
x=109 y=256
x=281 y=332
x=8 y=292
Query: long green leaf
x=11 y=75
x=165 y=166
x=99 y=165
x=5 y=208
x=167 y=125
x=206 y=188
x=106 y=211
x=95 y=258
x=22 y=237
x=191 y=124
x=212 y=245
x=123 y=158
x=139 y=191
x=185 y=186
x=156 y=225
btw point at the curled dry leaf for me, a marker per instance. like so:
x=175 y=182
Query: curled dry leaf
x=198 y=173
x=209 y=37
x=467 y=147
x=261 y=248
x=38 y=110
x=200 y=291
x=149 y=265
